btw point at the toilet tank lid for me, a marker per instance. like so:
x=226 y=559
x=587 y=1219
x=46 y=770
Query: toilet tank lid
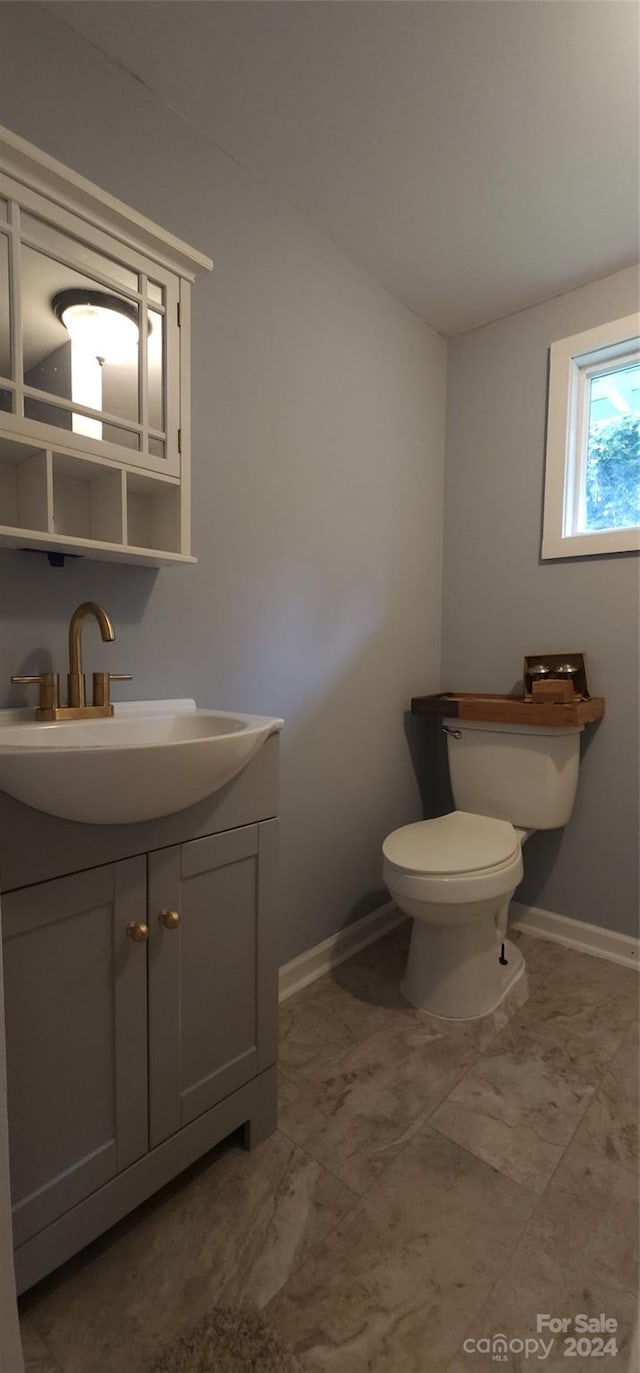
x=455 y=843
x=502 y=727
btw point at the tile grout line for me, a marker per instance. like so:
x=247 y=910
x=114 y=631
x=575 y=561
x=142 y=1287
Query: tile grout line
x=521 y=1186
x=314 y=1249
x=421 y=1121
x=538 y=1199
x=543 y=1194
x=319 y=1164
x=297 y=1148
x=425 y=1117
x=492 y=1043
x=410 y=1133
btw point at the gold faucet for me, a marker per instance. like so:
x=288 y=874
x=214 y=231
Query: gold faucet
x=75 y=677
x=49 y=707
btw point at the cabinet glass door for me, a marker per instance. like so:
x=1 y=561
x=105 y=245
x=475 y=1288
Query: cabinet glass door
x=89 y=354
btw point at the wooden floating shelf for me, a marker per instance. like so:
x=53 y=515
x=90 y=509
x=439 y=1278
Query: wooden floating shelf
x=508 y=710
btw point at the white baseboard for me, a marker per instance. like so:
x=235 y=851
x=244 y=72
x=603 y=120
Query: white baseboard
x=300 y=971
x=560 y=929
x=576 y=934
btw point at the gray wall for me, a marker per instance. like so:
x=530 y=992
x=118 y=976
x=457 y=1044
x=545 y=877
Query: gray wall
x=318 y=409
x=501 y=602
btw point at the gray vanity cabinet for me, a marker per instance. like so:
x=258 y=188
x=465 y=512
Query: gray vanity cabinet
x=212 y=976
x=141 y=1010
x=75 y=988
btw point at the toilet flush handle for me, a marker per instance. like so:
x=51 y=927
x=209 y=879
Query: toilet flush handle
x=455 y=733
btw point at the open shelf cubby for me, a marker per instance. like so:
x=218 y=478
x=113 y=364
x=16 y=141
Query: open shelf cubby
x=87 y=500
x=153 y=513
x=57 y=501
x=24 y=486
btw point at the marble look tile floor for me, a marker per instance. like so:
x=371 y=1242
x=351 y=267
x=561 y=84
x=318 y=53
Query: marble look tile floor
x=429 y=1186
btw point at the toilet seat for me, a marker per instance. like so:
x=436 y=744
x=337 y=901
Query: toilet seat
x=454 y=859
x=451 y=844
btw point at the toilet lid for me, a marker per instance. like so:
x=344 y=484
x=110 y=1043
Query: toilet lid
x=455 y=843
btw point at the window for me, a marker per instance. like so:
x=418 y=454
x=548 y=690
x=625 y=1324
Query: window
x=592 y=478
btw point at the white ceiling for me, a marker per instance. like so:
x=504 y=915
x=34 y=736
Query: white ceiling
x=475 y=156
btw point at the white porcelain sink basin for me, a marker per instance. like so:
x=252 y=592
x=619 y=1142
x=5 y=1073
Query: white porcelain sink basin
x=150 y=759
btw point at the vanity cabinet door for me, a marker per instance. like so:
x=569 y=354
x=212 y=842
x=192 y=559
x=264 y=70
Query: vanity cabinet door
x=75 y=988
x=213 y=975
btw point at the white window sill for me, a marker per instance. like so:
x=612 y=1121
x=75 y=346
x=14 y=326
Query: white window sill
x=584 y=545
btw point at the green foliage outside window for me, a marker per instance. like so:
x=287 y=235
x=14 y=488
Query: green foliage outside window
x=613 y=474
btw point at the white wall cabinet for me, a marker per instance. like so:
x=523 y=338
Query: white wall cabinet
x=94 y=369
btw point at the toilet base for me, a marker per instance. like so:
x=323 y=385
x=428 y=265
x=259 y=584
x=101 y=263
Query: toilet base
x=459 y=981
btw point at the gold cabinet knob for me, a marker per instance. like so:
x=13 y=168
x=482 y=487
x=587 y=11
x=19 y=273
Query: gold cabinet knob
x=137 y=932
x=170 y=919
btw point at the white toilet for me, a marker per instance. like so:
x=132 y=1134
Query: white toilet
x=456 y=875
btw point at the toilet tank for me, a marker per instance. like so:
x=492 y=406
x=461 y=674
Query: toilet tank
x=522 y=773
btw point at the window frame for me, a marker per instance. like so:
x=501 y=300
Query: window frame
x=573 y=362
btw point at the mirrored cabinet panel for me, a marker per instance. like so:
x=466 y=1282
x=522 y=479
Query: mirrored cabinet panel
x=84 y=349
x=94 y=362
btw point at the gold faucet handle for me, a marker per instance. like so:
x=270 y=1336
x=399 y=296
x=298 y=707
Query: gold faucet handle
x=102 y=686
x=49 y=683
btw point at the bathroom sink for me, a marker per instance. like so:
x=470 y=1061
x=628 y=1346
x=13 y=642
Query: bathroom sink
x=150 y=759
